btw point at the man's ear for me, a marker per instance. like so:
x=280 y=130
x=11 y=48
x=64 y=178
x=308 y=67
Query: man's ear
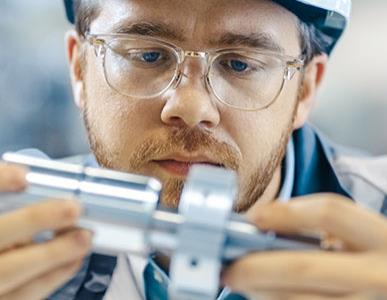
x=74 y=54
x=312 y=78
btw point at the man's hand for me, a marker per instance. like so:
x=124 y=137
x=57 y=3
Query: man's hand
x=29 y=270
x=357 y=272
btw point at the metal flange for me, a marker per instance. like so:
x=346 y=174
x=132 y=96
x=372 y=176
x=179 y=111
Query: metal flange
x=206 y=205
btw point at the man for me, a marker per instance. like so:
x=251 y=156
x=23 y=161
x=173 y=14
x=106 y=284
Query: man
x=167 y=84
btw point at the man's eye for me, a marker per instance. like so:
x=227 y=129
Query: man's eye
x=150 y=57
x=238 y=66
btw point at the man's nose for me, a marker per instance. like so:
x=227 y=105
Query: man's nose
x=190 y=103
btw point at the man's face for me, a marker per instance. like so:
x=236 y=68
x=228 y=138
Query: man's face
x=163 y=136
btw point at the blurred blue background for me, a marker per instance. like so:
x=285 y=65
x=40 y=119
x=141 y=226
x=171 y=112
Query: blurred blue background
x=36 y=108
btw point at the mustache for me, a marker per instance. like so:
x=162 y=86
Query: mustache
x=189 y=140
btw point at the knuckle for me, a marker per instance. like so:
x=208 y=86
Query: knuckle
x=52 y=214
x=330 y=207
x=327 y=209
x=83 y=239
x=67 y=211
x=12 y=178
x=79 y=241
x=33 y=215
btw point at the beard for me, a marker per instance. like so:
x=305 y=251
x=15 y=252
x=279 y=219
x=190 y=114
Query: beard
x=191 y=140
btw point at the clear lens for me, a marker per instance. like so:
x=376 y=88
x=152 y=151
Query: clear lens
x=139 y=68
x=145 y=68
x=246 y=80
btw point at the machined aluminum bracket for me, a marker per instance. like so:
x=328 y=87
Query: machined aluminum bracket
x=206 y=204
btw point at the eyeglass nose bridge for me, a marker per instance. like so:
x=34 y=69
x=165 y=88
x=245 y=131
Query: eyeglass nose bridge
x=192 y=54
x=195 y=54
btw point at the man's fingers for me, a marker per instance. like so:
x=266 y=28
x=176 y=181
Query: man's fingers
x=307 y=296
x=325 y=273
x=22 y=224
x=12 y=178
x=43 y=286
x=20 y=266
x=335 y=215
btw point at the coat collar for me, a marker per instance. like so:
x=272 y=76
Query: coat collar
x=314 y=172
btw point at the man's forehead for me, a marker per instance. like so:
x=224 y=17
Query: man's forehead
x=209 y=21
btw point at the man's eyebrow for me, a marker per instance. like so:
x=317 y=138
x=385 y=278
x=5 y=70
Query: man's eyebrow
x=153 y=29
x=255 y=40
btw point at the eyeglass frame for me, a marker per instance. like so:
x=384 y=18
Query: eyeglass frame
x=291 y=64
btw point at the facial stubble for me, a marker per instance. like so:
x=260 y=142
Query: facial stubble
x=190 y=140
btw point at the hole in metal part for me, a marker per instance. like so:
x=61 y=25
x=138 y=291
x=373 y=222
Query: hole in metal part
x=194 y=262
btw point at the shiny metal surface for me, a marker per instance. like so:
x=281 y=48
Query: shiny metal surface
x=121 y=209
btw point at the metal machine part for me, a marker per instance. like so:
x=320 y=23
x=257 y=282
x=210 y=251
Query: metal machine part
x=111 y=201
x=121 y=209
x=206 y=204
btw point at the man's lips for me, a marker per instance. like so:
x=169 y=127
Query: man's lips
x=180 y=166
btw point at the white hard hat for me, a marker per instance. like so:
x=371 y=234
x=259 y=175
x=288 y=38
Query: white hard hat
x=329 y=17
